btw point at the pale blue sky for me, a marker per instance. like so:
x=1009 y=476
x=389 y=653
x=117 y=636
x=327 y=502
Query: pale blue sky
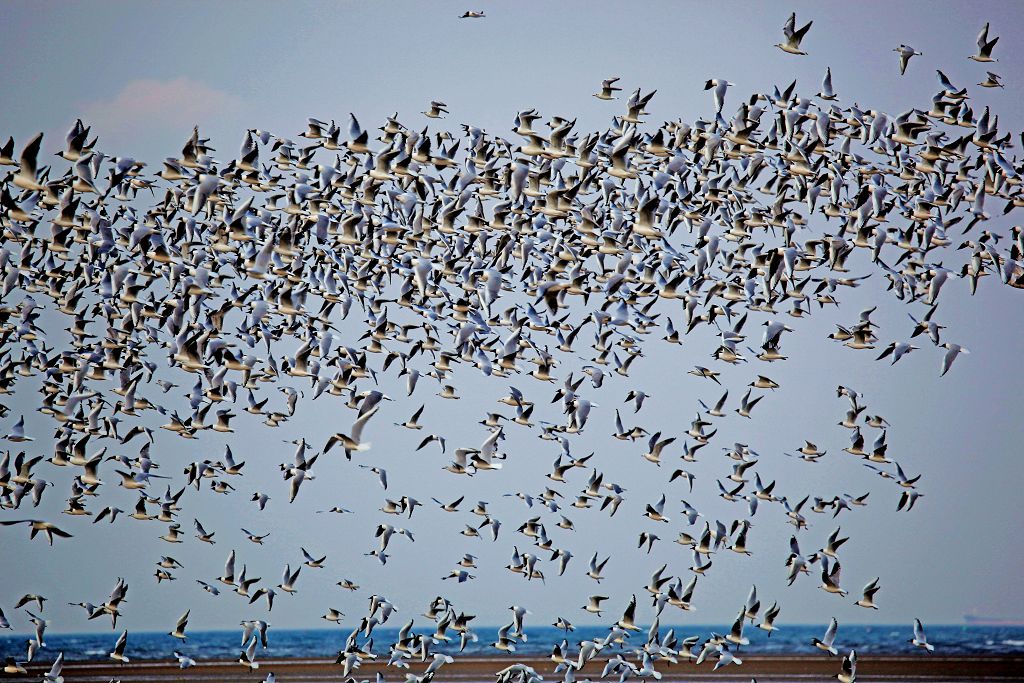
x=144 y=73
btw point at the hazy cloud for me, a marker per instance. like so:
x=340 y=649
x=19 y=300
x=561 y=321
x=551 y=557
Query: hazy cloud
x=148 y=104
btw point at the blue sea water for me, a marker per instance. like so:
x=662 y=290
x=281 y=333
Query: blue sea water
x=323 y=644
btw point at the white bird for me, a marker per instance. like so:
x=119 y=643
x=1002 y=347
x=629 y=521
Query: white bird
x=827 y=93
x=848 y=673
x=906 y=52
x=247 y=657
x=826 y=643
x=17 y=433
x=793 y=36
x=720 y=85
x=54 y=674
x=353 y=441
x=985 y=46
x=868 y=599
x=118 y=653
x=919 y=639
x=952 y=351
x=184 y=661
x=179 y=628
x=608 y=88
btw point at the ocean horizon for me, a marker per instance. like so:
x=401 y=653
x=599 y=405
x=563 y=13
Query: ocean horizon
x=324 y=643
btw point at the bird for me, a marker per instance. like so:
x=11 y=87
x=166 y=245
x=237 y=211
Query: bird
x=985 y=46
x=473 y=14
x=608 y=89
x=54 y=674
x=907 y=500
x=768 y=623
x=12 y=666
x=868 y=599
x=436 y=111
x=830 y=577
x=952 y=351
x=719 y=85
x=905 y=52
x=504 y=642
x=793 y=35
x=179 y=628
x=826 y=642
x=30 y=597
x=37 y=526
x=247 y=657
x=563 y=624
x=827 y=93
x=594 y=604
x=118 y=652
x=919 y=639
x=848 y=673
x=992 y=80
x=17 y=433
x=184 y=661
x=353 y=442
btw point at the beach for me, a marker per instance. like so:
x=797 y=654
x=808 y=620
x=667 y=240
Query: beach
x=933 y=669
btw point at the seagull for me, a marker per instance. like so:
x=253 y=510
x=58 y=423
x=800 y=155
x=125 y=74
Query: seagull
x=184 y=661
x=118 y=653
x=992 y=81
x=255 y=538
x=608 y=88
x=594 y=604
x=179 y=629
x=952 y=351
x=826 y=93
x=906 y=52
x=793 y=36
x=247 y=657
x=768 y=623
x=289 y=578
x=30 y=597
x=830 y=578
x=353 y=442
x=868 y=599
x=311 y=561
x=436 y=111
x=473 y=14
x=907 y=500
x=54 y=674
x=40 y=628
x=825 y=644
x=12 y=666
x=37 y=526
x=985 y=46
x=719 y=85
x=333 y=615
x=17 y=434
x=848 y=674
x=919 y=639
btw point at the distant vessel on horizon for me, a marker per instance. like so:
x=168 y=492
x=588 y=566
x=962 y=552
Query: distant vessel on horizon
x=982 y=620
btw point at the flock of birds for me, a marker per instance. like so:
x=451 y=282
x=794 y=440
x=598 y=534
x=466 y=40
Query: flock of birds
x=339 y=259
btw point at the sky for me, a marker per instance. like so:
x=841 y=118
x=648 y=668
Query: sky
x=143 y=74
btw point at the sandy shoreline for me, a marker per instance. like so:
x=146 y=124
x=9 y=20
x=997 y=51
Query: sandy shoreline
x=766 y=668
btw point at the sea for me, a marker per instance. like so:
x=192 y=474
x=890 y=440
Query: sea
x=324 y=644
